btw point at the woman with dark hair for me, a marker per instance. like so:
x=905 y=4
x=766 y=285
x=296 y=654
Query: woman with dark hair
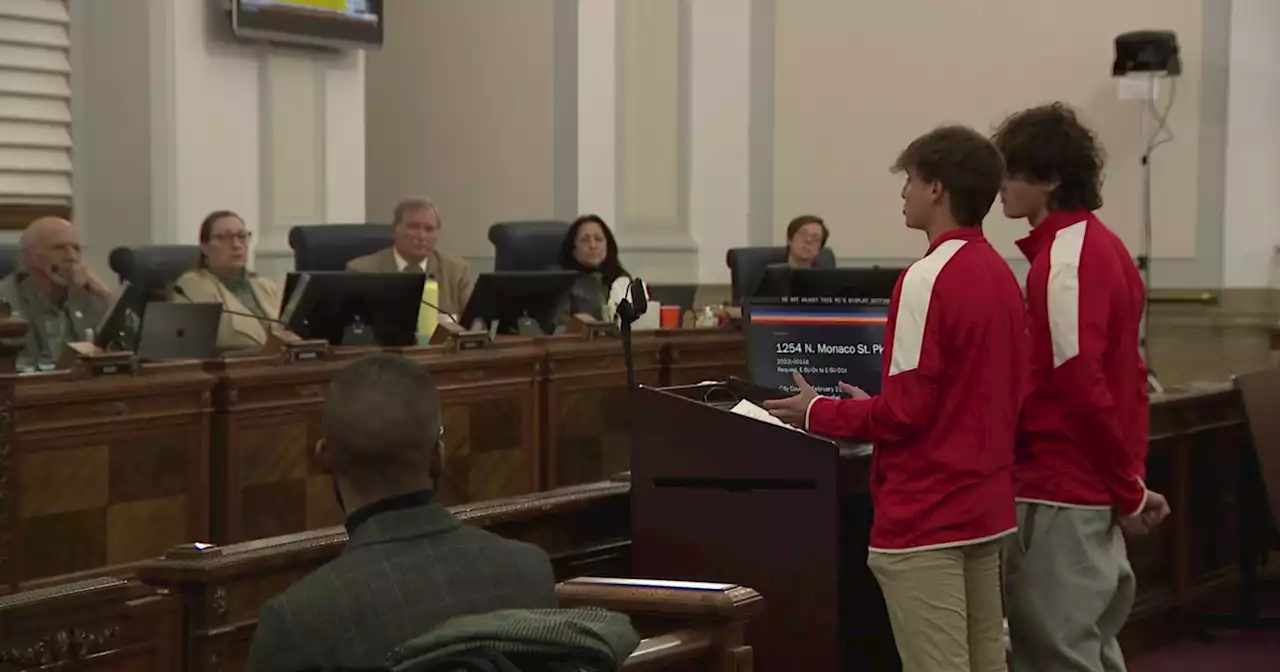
x=221 y=276
x=806 y=237
x=589 y=249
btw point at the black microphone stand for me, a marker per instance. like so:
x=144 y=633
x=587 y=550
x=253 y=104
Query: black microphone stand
x=630 y=308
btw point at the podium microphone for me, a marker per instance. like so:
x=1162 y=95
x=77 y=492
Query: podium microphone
x=630 y=308
x=178 y=291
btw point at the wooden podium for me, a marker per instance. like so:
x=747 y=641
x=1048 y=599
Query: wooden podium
x=719 y=496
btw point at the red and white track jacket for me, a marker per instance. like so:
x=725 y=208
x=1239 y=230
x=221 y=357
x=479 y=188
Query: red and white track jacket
x=943 y=425
x=1082 y=441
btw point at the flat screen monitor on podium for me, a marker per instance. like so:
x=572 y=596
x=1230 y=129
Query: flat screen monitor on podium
x=828 y=340
x=782 y=280
x=355 y=308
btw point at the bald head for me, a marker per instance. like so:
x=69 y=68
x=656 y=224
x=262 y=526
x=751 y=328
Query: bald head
x=48 y=244
x=42 y=229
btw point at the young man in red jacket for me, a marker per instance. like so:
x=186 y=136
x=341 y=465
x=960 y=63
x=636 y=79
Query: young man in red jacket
x=1082 y=442
x=943 y=425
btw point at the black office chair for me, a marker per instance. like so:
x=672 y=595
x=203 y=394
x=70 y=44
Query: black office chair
x=328 y=247
x=153 y=267
x=532 y=245
x=747 y=264
x=9 y=257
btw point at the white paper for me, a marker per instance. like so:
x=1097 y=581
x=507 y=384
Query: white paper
x=753 y=411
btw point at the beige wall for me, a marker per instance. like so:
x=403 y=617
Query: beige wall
x=462 y=105
x=854 y=82
x=175 y=118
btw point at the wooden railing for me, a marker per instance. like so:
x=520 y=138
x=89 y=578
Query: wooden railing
x=112 y=624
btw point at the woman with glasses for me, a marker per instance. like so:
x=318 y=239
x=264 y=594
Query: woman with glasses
x=222 y=277
x=806 y=236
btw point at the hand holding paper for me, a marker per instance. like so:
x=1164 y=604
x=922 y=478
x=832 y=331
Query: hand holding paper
x=793 y=409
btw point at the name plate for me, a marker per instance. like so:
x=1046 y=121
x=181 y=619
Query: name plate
x=88 y=360
x=457 y=339
x=291 y=349
x=591 y=329
x=107 y=368
x=311 y=350
x=471 y=340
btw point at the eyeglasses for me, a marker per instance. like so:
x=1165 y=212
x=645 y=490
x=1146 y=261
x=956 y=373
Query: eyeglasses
x=241 y=237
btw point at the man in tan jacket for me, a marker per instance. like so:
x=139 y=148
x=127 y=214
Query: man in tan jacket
x=417 y=224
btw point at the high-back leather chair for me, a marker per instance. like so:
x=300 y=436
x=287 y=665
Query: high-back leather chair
x=9 y=256
x=328 y=247
x=747 y=264
x=531 y=245
x=153 y=267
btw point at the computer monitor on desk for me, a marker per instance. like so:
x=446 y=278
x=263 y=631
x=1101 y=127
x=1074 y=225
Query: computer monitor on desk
x=518 y=301
x=354 y=308
x=121 y=327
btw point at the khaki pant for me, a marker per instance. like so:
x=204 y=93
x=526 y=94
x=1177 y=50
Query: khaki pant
x=944 y=606
x=1068 y=589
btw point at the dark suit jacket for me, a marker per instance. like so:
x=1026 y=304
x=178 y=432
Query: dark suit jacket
x=402 y=573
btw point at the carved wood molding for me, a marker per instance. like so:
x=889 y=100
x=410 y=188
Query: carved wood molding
x=61 y=646
x=12 y=332
x=211 y=562
x=6 y=442
x=655 y=596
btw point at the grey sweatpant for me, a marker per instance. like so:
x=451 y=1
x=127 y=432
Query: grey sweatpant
x=1068 y=590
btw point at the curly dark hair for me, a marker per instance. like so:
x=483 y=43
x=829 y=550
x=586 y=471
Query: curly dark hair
x=965 y=162
x=1047 y=144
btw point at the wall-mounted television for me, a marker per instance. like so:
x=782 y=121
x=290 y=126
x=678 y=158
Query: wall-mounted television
x=328 y=23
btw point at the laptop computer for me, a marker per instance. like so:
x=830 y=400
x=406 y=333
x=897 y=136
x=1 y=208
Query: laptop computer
x=179 y=331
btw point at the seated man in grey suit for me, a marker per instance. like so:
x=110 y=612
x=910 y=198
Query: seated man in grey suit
x=409 y=565
x=53 y=291
x=417 y=223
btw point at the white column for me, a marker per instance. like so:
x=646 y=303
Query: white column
x=631 y=130
x=311 y=158
x=598 y=108
x=719 y=131
x=1251 y=215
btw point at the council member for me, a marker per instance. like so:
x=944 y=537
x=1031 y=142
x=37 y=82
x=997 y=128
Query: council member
x=250 y=302
x=1082 y=443
x=53 y=290
x=415 y=229
x=943 y=425
x=806 y=238
x=590 y=249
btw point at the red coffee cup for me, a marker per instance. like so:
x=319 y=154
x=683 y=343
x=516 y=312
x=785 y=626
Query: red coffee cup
x=669 y=318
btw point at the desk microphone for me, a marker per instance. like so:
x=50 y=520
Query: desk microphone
x=178 y=291
x=440 y=310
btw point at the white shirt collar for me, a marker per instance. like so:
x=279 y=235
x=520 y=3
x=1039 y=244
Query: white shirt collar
x=402 y=264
